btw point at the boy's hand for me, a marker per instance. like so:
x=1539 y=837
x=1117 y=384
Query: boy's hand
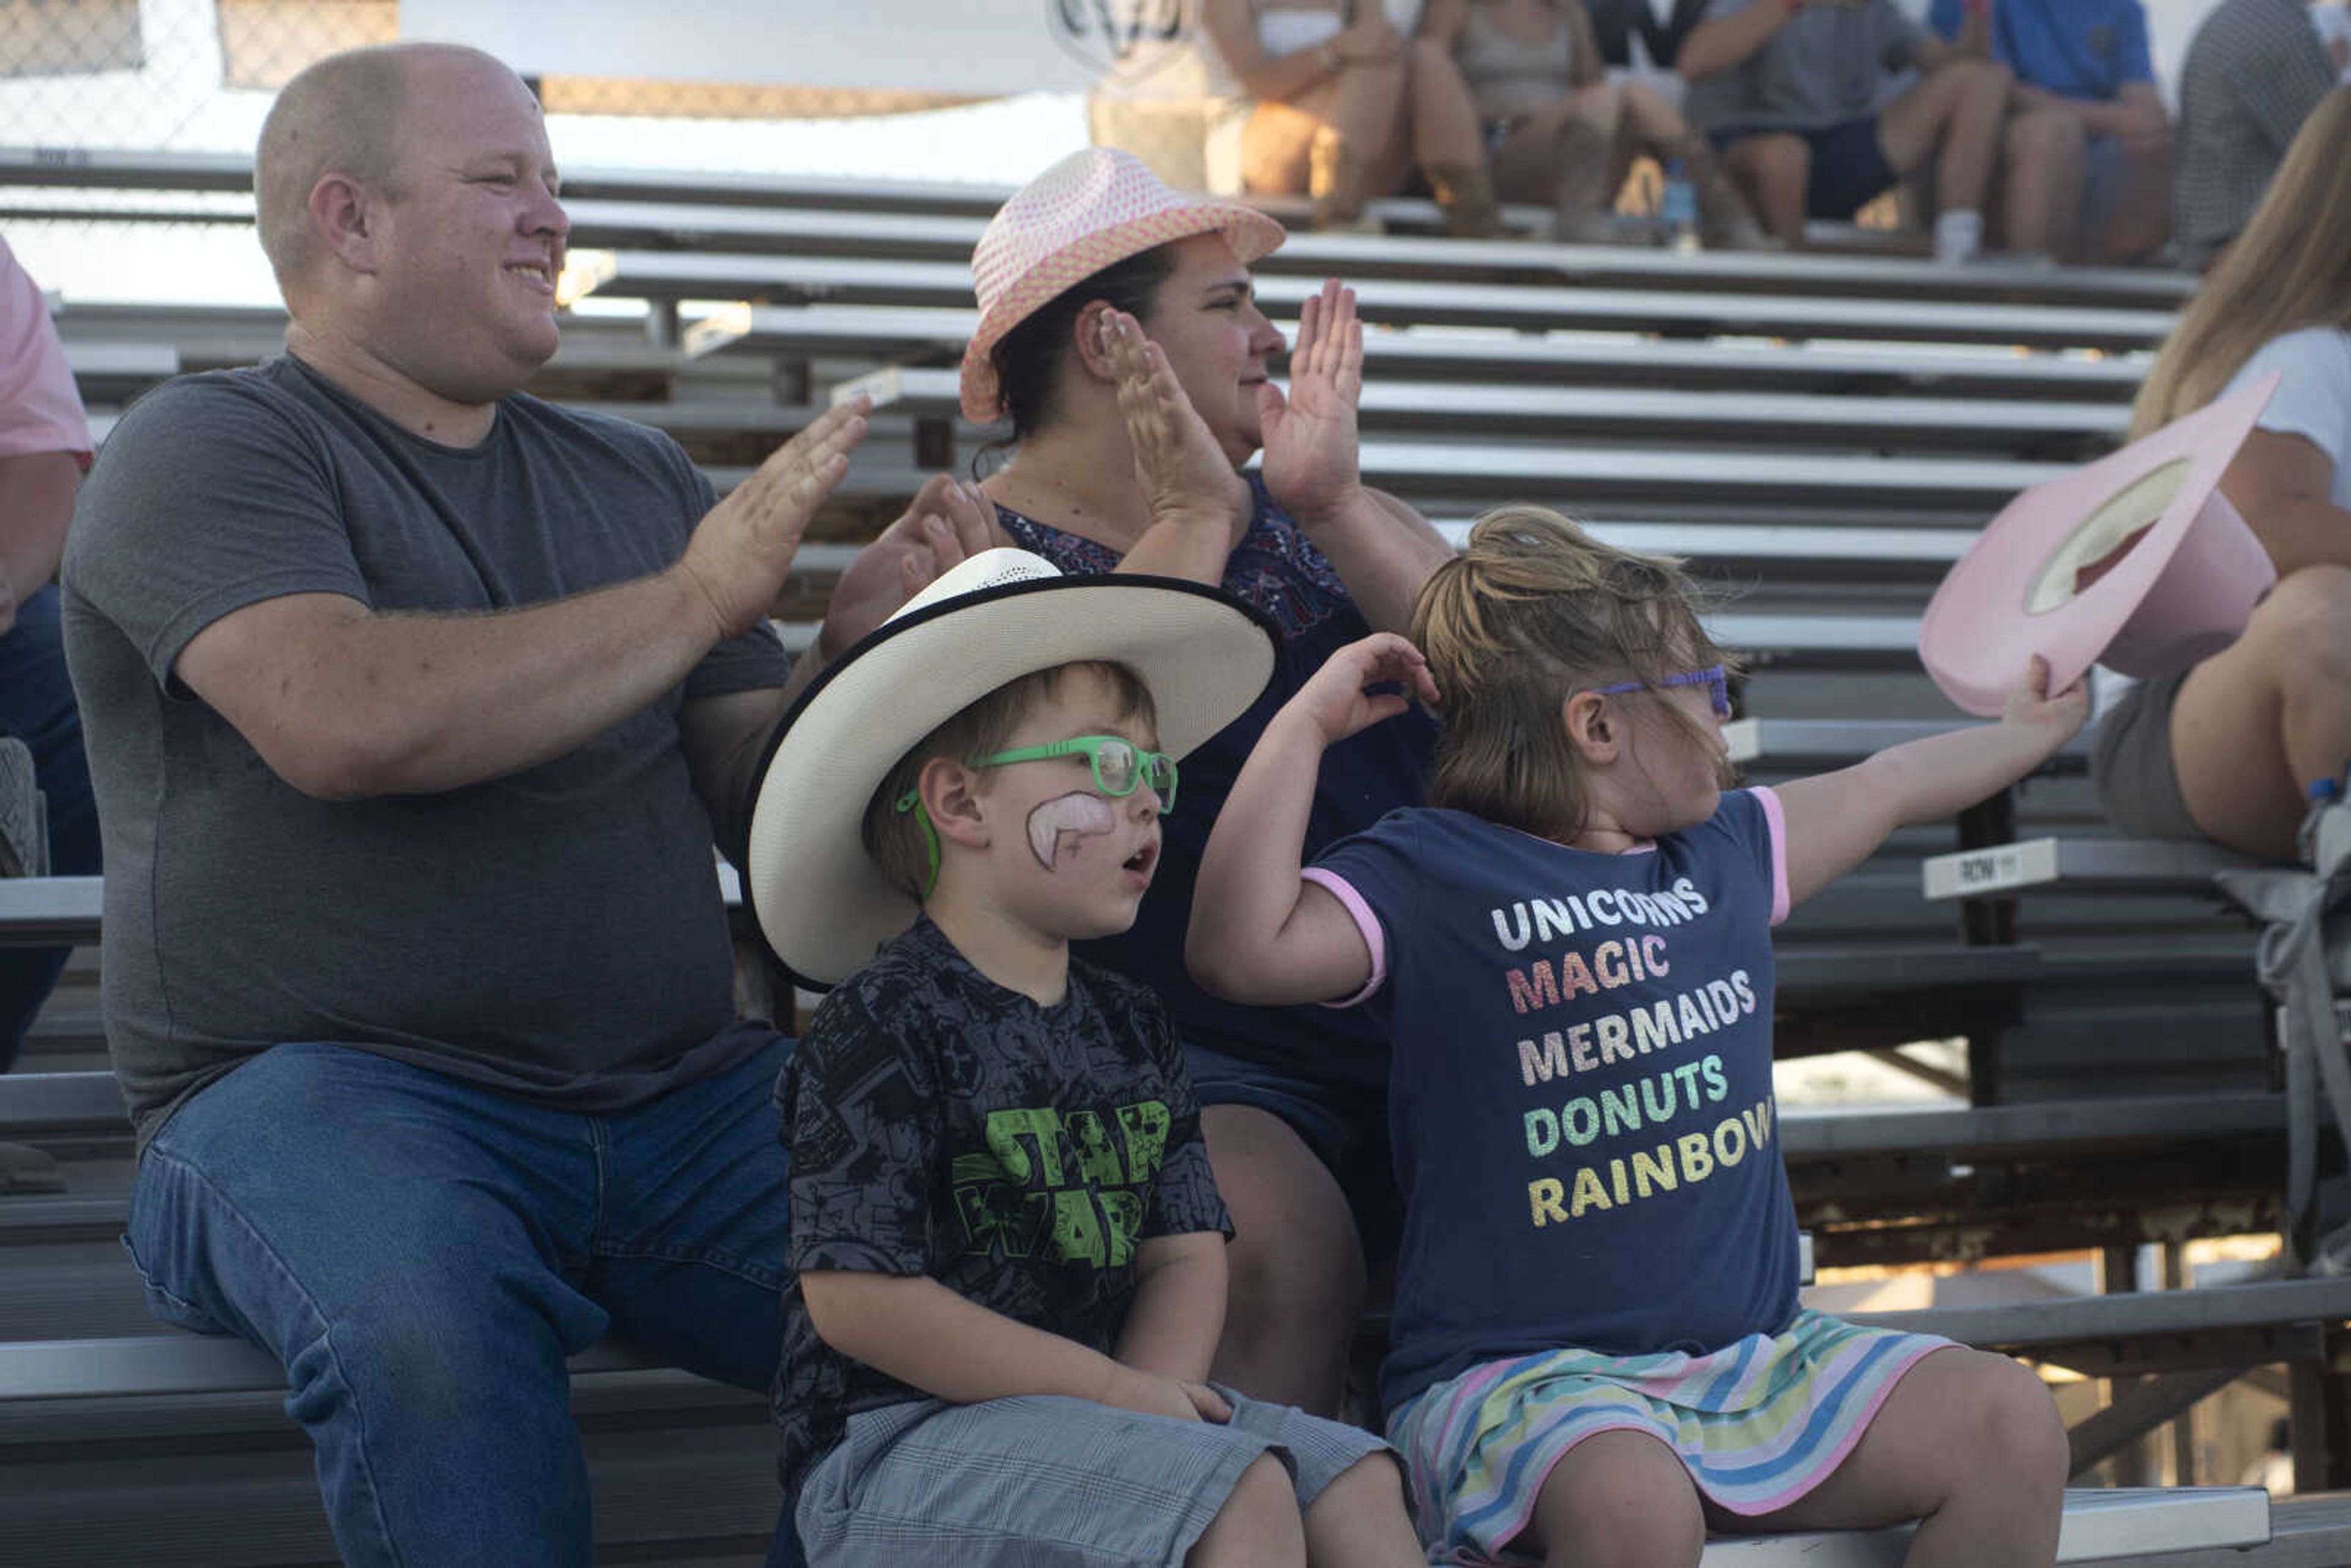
x=1153 y=1395
x=2031 y=707
x=1335 y=700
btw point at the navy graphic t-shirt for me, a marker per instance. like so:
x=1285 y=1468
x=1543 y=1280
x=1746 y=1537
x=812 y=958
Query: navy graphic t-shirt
x=942 y=1124
x=1580 y=1094
x=1276 y=568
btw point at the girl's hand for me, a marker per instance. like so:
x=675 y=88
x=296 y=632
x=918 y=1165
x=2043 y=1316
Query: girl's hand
x=1185 y=475
x=2031 y=708
x=1334 y=701
x=1310 y=461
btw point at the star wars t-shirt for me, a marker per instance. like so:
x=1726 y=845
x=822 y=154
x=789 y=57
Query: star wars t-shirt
x=1580 y=1094
x=942 y=1124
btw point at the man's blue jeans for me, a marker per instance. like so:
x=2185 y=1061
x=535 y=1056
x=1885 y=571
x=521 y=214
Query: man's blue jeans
x=422 y=1255
x=36 y=705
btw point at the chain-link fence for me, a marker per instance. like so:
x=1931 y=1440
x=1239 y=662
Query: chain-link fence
x=132 y=78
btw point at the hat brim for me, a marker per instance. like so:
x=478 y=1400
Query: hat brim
x=1250 y=233
x=819 y=904
x=1980 y=629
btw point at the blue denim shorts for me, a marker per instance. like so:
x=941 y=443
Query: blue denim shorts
x=1047 y=1480
x=1343 y=1121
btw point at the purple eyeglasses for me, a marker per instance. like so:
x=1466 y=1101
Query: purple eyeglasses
x=1713 y=678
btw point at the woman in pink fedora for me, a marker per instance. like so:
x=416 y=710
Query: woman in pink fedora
x=2235 y=749
x=1119 y=337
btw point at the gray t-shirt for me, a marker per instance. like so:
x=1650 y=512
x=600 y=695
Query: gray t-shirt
x=1827 y=65
x=556 y=934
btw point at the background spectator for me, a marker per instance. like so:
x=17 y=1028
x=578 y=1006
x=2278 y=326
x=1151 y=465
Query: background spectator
x=1618 y=23
x=44 y=447
x=1344 y=105
x=1558 y=131
x=2225 y=750
x=1788 y=90
x=2255 y=71
x=2086 y=165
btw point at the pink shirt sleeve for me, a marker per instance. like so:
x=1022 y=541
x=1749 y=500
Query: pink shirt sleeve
x=1777 y=820
x=40 y=410
x=1366 y=922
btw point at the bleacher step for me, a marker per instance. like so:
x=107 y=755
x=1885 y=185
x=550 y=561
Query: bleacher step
x=2114 y=1525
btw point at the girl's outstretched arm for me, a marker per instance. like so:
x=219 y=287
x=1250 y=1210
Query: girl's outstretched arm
x=1260 y=933
x=1835 y=821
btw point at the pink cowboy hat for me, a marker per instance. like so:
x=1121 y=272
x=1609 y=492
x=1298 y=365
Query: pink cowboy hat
x=1086 y=212
x=2135 y=562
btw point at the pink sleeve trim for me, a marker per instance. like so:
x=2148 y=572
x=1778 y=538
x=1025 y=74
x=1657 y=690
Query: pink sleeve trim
x=1777 y=822
x=1340 y=888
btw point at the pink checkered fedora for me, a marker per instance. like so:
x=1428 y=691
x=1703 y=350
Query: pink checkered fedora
x=1086 y=212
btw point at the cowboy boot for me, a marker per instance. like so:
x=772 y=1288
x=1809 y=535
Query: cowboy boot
x=1334 y=181
x=1465 y=197
x=1724 y=222
x=1580 y=160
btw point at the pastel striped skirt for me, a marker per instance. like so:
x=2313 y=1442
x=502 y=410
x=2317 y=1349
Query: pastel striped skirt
x=1758 y=1423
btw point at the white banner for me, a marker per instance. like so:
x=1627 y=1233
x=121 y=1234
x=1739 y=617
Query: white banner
x=980 y=48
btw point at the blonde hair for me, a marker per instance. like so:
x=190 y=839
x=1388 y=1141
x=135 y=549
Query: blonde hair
x=2291 y=269
x=1532 y=611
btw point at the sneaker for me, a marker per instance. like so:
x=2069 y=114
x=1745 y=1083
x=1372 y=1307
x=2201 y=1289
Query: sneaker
x=24 y=813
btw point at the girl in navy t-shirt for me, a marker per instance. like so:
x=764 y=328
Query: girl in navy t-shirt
x=1598 y=1350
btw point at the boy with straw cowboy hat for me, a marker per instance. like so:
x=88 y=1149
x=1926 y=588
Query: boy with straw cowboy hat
x=1007 y=1276
x=1120 y=339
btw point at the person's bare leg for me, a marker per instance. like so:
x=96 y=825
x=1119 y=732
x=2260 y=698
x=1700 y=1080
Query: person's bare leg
x=1277 y=140
x=2141 y=219
x=1448 y=143
x=1957 y=109
x=1522 y=163
x=2257 y=722
x=1444 y=119
x=1259 y=1526
x=1367 y=111
x=2044 y=157
x=1296 y=1264
x=1968 y=1444
x=1360 y=1518
x=1619 y=1500
x=1772 y=171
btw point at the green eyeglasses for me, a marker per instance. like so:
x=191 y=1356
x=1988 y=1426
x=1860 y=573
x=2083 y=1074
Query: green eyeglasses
x=1120 y=767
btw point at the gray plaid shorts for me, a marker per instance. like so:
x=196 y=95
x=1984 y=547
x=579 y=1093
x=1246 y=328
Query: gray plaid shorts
x=1040 y=1480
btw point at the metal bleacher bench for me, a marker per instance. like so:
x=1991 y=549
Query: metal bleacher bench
x=696 y=274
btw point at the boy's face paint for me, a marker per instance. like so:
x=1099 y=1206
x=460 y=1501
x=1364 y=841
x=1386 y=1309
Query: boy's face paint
x=1057 y=827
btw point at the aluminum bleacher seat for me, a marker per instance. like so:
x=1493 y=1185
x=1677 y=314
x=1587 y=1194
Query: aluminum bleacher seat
x=698 y=275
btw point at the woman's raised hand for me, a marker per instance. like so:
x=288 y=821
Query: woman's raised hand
x=1185 y=475
x=1310 y=462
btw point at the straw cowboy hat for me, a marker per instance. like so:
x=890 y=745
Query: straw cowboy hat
x=1087 y=211
x=822 y=905
x=2135 y=562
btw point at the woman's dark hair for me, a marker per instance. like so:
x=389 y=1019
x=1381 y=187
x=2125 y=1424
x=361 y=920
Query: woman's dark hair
x=1027 y=359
